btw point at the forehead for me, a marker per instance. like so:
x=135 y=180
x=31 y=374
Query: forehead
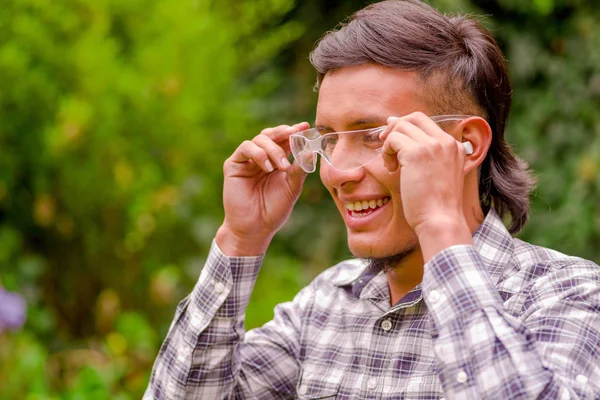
x=367 y=93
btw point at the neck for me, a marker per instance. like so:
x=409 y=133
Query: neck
x=405 y=276
x=409 y=272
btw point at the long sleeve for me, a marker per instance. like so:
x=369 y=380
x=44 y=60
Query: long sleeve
x=207 y=354
x=550 y=351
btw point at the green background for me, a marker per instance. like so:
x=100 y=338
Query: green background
x=116 y=117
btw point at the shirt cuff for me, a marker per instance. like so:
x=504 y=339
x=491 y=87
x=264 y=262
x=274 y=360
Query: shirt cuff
x=225 y=285
x=456 y=283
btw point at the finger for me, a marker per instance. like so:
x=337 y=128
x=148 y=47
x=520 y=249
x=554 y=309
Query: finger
x=299 y=127
x=431 y=128
x=282 y=132
x=386 y=130
x=406 y=127
x=395 y=144
x=273 y=131
x=296 y=176
x=276 y=154
x=249 y=151
x=280 y=135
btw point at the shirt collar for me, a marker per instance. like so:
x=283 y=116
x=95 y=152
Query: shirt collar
x=492 y=240
x=496 y=246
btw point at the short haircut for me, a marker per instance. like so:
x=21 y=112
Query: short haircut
x=463 y=71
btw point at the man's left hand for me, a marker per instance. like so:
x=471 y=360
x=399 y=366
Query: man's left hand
x=431 y=164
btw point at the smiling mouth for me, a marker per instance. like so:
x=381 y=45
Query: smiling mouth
x=363 y=208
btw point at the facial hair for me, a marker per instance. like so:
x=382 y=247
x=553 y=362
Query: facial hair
x=376 y=265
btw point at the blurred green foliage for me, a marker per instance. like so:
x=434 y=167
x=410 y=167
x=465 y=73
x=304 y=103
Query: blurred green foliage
x=116 y=117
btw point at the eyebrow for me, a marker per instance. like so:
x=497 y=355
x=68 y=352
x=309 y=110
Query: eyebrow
x=356 y=123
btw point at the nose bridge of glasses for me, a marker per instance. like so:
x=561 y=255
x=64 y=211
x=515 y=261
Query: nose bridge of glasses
x=314 y=145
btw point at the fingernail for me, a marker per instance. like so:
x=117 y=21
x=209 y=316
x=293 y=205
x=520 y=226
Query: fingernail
x=285 y=163
x=269 y=166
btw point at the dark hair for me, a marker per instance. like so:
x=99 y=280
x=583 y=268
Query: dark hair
x=463 y=71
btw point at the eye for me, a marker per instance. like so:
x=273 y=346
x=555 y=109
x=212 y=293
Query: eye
x=329 y=141
x=372 y=139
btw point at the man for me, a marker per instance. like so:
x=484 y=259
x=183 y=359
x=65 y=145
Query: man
x=447 y=304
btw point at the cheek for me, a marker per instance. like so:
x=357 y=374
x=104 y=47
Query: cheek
x=391 y=182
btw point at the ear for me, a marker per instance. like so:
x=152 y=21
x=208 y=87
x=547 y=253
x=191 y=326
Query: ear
x=478 y=132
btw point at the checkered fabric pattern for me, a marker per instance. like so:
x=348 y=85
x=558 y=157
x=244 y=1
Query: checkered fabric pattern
x=498 y=320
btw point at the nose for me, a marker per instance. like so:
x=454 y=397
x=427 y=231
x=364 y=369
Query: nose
x=340 y=152
x=336 y=179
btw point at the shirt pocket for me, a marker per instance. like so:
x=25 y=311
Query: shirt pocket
x=319 y=380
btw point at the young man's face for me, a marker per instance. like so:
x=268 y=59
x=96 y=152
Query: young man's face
x=359 y=98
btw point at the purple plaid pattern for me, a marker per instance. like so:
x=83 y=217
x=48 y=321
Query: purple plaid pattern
x=500 y=320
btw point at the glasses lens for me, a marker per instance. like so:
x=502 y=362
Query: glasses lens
x=349 y=150
x=302 y=153
x=344 y=150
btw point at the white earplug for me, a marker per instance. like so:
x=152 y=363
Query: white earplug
x=468 y=147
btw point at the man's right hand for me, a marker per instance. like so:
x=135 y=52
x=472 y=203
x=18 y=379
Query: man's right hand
x=259 y=191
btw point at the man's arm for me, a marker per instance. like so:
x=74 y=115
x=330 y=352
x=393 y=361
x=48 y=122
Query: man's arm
x=482 y=352
x=203 y=355
x=206 y=354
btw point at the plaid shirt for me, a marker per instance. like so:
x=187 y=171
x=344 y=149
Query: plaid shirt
x=498 y=320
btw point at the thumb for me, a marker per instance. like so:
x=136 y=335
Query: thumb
x=296 y=177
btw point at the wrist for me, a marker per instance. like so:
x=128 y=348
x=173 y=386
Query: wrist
x=233 y=244
x=440 y=232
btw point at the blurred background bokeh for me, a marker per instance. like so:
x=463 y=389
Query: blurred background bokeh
x=116 y=117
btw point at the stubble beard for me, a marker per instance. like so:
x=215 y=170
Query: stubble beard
x=376 y=265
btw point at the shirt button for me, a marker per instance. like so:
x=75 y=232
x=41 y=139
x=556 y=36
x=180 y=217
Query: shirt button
x=386 y=325
x=461 y=377
x=181 y=358
x=434 y=296
x=372 y=383
x=302 y=390
x=582 y=379
x=219 y=287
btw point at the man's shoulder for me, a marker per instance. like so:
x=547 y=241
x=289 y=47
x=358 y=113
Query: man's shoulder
x=540 y=270
x=530 y=256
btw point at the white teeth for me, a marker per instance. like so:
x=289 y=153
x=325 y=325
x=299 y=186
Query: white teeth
x=366 y=205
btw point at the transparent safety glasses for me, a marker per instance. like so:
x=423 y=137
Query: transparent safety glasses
x=349 y=150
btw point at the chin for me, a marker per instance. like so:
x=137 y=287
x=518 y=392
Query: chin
x=363 y=246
